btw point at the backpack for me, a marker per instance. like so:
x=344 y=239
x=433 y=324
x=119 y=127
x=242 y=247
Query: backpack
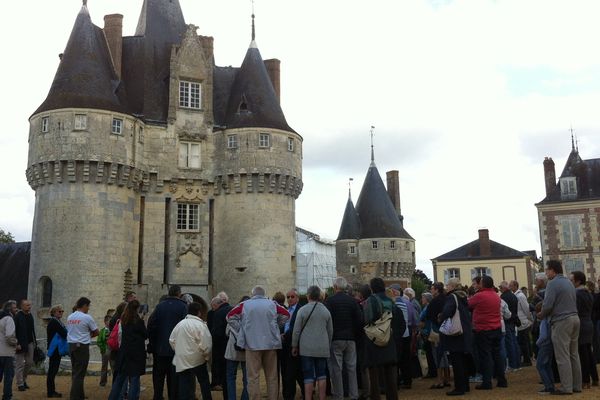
x=379 y=331
x=114 y=340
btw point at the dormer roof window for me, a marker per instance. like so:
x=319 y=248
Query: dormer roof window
x=568 y=188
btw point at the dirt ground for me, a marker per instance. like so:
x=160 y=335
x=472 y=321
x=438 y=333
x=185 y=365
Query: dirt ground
x=522 y=385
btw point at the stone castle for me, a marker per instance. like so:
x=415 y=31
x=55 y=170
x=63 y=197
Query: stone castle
x=152 y=166
x=372 y=241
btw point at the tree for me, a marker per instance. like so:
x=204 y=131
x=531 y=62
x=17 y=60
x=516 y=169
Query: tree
x=420 y=283
x=6 y=237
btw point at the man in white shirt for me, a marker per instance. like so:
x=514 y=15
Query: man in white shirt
x=81 y=328
x=192 y=343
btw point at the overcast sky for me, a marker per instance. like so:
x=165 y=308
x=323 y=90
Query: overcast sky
x=467 y=98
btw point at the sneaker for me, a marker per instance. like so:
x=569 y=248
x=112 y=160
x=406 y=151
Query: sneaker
x=476 y=379
x=21 y=388
x=26 y=385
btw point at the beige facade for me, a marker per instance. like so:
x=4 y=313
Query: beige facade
x=486 y=257
x=141 y=205
x=522 y=270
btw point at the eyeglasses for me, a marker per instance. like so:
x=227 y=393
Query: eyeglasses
x=291 y=297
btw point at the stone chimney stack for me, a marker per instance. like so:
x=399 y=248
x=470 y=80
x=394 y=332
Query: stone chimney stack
x=273 y=66
x=113 y=31
x=393 y=189
x=549 y=175
x=485 y=248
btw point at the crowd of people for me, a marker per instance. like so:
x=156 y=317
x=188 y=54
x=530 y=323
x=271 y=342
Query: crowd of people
x=357 y=343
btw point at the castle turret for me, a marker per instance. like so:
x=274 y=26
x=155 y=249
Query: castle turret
x=372 y=240
x=83 y=170
x=259 y=177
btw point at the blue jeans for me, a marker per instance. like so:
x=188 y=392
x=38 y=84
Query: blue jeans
x=544 y=364
x=7 y=372
x=120 y=383
x=313 y=369
x=512 y=347
x=231 y=374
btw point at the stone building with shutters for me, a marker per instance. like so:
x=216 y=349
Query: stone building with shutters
x=152 y=166
x=486 y=257
x=569 y=215
x=372 y=241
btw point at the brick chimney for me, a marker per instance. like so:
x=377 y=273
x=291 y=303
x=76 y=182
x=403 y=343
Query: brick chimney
x=549 y=175
x=273 y=66
x=113 y=31
x=393 y=189
x=485 y=248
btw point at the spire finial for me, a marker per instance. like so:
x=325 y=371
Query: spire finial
x=85 y=3
x=350 y=188
x=253 y=29
x=372 y=149
x=572 y=139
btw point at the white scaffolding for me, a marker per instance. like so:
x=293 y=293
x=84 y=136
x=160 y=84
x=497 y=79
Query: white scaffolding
x=315 y=261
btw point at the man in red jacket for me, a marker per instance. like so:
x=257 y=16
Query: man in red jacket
x=485 y=305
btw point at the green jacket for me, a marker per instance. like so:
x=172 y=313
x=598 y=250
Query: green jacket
x=103 y=339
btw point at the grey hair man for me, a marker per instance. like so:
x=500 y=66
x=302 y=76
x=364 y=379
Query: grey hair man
x=217 y=326
x=261 y=320
x=347 y=321
x=25 y=329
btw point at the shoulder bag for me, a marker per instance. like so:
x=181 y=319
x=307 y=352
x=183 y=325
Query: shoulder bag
x=452 y=326
x=379 y=331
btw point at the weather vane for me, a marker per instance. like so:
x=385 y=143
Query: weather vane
x=253 y=29
x=350 y=187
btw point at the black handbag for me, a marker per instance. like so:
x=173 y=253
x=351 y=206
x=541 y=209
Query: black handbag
x=39 y=356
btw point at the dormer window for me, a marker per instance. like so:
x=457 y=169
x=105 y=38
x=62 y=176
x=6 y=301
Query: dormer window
x=568 y=188
x=189 y=95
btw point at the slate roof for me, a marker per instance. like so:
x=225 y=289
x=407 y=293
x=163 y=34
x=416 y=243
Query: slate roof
x=14 y=271
x=350 y=228
x=85 y=77
x=587 y=173
x=377 y=215
x=253 y=101
x=243 y=97
x=471 y=251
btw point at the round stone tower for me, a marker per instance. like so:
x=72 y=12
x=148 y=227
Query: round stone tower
x=259 y=177
x=82 y=166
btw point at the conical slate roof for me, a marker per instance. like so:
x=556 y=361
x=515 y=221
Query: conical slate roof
x=350 y=228
x=253 y=102
x=85 y=77
x=162 y=25
x=378 y=217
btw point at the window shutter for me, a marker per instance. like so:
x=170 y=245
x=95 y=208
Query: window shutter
x=195 y=155
x=566 y=228
x=488 y=272
x=446 y=275
x=473 y=273
x=183 y=155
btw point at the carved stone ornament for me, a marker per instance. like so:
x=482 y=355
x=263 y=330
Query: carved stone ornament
x=191 y=131
x=190 y=253
x=173 y=187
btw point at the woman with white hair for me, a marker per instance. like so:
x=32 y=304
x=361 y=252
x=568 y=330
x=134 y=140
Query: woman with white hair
x=458 y=344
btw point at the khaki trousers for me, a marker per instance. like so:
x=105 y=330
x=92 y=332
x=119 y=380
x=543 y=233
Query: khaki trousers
x=565 y=335
x=23 y=362
x=267 y=359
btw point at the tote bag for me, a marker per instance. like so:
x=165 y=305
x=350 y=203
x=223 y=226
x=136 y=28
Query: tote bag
x=452 y=326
